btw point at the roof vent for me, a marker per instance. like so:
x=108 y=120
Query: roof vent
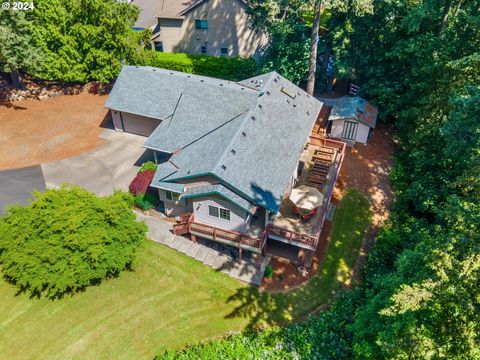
x=308 y=112
x=268 y=92
x=253 y=118
x=294 y=105
x=188 y=76
x=260 y=106
x=224 y=167
x=244 y=134
x=220 y=84
x=201 y=80
x=276 y=80
x=233 y=152
x=242 y=88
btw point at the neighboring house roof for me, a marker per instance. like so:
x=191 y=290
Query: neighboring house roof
x=171 y=9
x=198 y=2
x=348 y=107
x=220 y=190
x=249 y=139
x=148 y=9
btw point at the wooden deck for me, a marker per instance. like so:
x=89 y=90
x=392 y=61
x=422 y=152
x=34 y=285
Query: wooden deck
x=323 y=159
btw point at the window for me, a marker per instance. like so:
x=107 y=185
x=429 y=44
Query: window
x=219 y=212
x=158 y=46
x=224 y=51
x=213 y=211
x=203 y=50
x=349 y=130
x=201 y=24
x=170 y=195
x=224 y=214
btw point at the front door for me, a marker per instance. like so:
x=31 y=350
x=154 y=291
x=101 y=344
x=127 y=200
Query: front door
x=349 y=130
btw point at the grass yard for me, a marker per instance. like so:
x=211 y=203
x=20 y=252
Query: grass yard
x=168 y=301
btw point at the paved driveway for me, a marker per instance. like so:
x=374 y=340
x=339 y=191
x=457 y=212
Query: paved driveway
x=16 y=185
x=110 y=166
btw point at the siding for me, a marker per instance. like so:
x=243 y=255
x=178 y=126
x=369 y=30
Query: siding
x=228 y=26
x=237 y=215
x=337 y=128
x=362 y=133
x=175 y=208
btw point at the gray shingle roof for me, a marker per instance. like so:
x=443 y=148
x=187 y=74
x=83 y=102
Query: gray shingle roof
x=250 y=138
x=222 y=191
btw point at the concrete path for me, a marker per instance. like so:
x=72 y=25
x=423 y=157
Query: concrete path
x=16 y=185
x=247 y=271
x=110 y=166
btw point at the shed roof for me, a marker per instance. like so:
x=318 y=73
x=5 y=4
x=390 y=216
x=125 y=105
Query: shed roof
x=352 y=107
x=249 y=138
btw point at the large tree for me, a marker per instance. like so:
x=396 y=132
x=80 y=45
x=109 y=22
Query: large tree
x=85 y=40
x=67 y=239
x=17 y=51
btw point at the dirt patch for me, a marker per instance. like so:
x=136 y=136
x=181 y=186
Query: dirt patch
x=34 y=132
x=366 y=168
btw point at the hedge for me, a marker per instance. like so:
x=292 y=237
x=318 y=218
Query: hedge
x=68 y=239
x=141 y=182
x=228 y=68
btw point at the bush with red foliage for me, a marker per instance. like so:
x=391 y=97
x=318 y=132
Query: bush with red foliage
x=141 y=182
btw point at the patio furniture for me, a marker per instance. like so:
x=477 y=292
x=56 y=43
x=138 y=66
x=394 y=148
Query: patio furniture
x=306 y=199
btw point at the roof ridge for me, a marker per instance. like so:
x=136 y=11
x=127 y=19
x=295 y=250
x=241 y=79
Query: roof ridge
x=207 y=80
x=234 y=137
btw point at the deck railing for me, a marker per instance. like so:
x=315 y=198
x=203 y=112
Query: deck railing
x=294 y=237
x=188 y=226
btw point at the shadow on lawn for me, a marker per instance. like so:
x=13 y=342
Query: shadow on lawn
x=261 y=308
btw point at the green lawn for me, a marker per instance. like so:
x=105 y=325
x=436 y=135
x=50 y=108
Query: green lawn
x=167 y=301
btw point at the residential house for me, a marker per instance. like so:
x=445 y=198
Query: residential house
x=208 y=27
x=229 y=154
x=351 y=119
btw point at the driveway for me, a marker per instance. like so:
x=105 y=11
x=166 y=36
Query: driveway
x=16 y=185
x=110 y=166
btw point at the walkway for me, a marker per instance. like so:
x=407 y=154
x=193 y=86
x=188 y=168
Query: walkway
x=212 y=256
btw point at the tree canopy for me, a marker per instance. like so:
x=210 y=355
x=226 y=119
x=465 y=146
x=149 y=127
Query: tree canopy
x=74 y=40
x=67 y=239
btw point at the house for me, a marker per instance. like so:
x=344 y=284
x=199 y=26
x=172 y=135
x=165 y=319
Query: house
x=207 y=27
x=229 y=155
x=351 y=118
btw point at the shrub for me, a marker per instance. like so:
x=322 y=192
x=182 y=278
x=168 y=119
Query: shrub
x=67 y=239
x=141 y=182
x=228 y=68
x=149 y=165
x=145 y=201
x=268 y=271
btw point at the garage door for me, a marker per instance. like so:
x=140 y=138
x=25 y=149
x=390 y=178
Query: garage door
x=139 y=125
